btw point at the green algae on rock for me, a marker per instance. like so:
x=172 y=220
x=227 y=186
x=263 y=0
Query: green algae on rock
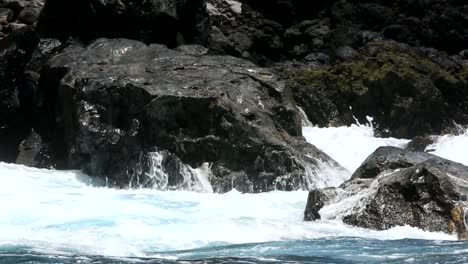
x=408 y=91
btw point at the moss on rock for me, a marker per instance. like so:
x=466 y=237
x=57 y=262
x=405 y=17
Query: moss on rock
x=408 y=92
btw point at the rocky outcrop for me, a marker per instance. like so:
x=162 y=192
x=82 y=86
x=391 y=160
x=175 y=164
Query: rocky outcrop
x=119 y=100
x=16 y=14
x=394 y=187
x=408 y=92
x=277 y=30
x=161 y=21
x=15 y=52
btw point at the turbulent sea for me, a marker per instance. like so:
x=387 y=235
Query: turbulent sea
x=58 y=217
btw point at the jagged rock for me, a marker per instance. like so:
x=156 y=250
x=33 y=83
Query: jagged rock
x=34 y=152
x=395 y=187
x=408 y=91
x=389 y=158
x=119 y=99
x=29 y=15
x=158 y=21
x=420 y=143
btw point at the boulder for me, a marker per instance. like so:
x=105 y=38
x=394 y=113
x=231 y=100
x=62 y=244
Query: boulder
x=395 y=187
x=156 y=21
x=123 y=105
x=409 y=92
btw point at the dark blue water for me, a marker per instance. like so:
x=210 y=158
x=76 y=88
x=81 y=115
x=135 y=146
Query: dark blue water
x=331 y=250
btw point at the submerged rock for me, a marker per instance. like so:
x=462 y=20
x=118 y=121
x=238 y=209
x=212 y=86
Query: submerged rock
x=395 y=187
x=119 y=100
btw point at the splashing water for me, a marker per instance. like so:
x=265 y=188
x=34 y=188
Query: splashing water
x=349 y=146
x=155 y=175
x=59 y=217
x=451 y=147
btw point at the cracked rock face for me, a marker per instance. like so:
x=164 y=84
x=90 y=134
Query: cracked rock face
x=118 y=100
x=396 y=187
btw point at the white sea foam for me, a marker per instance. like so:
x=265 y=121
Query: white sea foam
x=451 y=147
x=57 y=211
x=349 y=146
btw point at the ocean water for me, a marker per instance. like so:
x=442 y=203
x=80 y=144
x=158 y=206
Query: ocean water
x=61 y=217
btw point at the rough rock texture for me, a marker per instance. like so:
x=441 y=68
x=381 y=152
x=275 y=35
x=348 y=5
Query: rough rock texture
x=394 y=187
x=275 y=30
x=170 y=22
x=34 y=152
x=408 y=91
x=421 y=143
x=16 y=14
x=15 y=52
x=120 y=100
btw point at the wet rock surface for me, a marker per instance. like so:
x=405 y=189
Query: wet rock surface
x=409 y=92
x=119 y=98
x=394 y=187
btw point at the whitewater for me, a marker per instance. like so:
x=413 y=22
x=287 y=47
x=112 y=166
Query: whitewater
x=49 y=216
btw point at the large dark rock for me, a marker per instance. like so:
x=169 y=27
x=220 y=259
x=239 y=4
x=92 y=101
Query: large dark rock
x=125 y=107
x=408 y=91
x=170 y=22
x=15 y=124
x=394 y=187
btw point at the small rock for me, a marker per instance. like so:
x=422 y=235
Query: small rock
x=419 y=143
x=34 y=152
x=241 y=40
x=29 y=15
x=6 y=15
x=16 y=26
x=345 y=52
x=464 y=54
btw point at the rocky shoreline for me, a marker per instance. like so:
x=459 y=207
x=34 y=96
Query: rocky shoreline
x=102 y=86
